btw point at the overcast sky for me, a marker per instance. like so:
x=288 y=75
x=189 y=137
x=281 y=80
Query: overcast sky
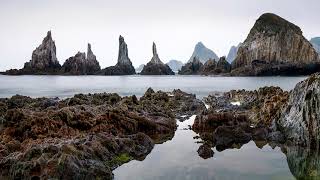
x=175 y=26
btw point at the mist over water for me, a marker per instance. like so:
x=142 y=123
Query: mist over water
x=67 y=86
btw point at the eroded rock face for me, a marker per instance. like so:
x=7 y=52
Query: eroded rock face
x=80 y=64
x=300 y=120
x=86 y=136
x=43 y=61
x=275 y=46
x=155 y=66
x=192 y=68
x=124 y=65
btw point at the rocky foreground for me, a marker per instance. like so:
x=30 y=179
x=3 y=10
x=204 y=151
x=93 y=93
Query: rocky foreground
x=87 y=136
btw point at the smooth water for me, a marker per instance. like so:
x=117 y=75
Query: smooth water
x=66 y=86
x=178 y=159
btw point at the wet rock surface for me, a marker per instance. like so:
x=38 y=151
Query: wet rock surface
x=300 y=118
x=86 y=136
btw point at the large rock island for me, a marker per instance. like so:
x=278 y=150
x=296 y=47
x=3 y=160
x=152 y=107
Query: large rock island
x=275 y=46
x=156 y=66
x=43 y=60
x=124 y=65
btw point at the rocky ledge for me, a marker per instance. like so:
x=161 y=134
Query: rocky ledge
x=86 y=136
x=155 y=66
x=266 y=115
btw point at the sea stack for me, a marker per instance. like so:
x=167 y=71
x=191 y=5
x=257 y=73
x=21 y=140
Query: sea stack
x=80 y=64
x=156 y=66
x=43 y=60
x=192 y=68
x=275 y=46
x=124 y=64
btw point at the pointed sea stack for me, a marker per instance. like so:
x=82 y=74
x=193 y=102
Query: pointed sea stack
x=275 y=46
x=43 y=61
x=81 y=65
x=192 y=68
x=156 y=66
x=124 y=64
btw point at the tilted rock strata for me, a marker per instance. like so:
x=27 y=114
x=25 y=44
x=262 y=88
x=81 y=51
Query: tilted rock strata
x=275 y=46
x=300 y=120
x=155 y=66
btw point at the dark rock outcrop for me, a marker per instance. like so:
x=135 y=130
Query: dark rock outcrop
x=191 y=68
x=155 y=66
x=275 y=46
x=43 y=61
x=86 y=136
x=216 y=68
x=124 y=65
x=81 y=65
x=300 y=119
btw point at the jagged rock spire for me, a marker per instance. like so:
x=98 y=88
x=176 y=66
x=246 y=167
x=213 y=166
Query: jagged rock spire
x=44 y=56
x=155 y=59
x=90 y=55
x=123 y=57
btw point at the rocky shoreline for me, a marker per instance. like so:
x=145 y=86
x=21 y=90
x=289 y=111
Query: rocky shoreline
x=89 y=135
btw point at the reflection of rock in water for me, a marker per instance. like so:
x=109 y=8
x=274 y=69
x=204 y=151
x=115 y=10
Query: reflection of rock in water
x=303 y=163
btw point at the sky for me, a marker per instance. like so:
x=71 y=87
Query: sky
x=174 y=25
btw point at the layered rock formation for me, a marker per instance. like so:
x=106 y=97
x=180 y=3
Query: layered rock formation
x=124 y=65
x=155 y=66
x=191 y=68
x=275 y=46
x=203 y=53
x=80 y=64
x=300 y=120
x=86 y=136
x=43 y=60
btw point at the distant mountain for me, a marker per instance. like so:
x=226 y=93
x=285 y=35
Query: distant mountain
x=139 y=68
x=175 y=65
x=203 y=53
x=232 y=53
x=316 y=43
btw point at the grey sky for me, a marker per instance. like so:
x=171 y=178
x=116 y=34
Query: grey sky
x=175 y=25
